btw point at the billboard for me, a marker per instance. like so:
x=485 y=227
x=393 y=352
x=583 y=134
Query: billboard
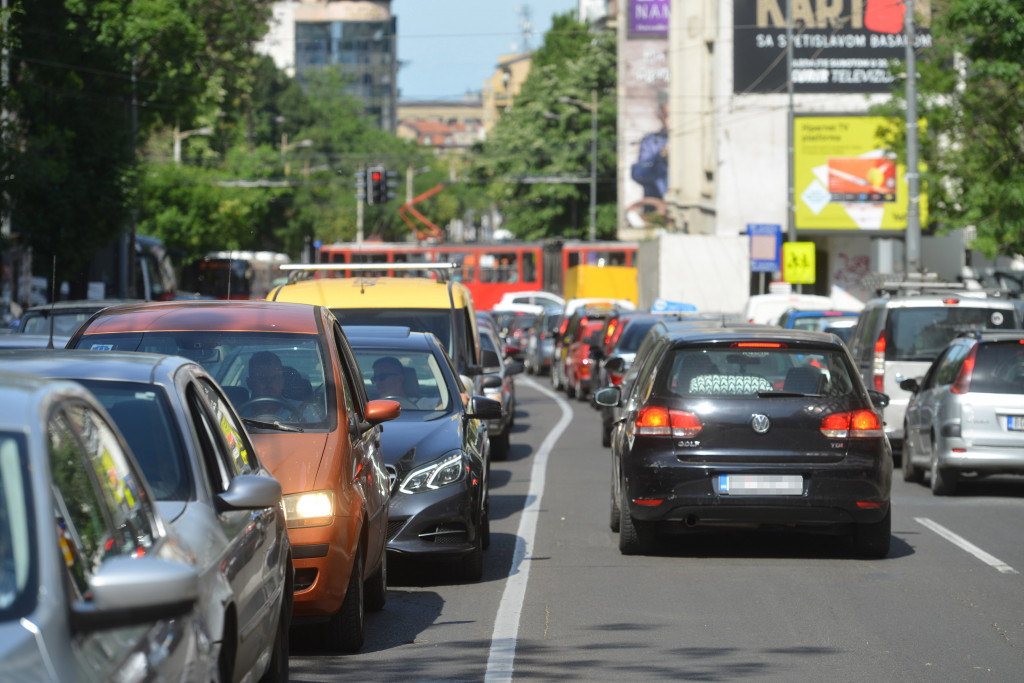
x=842 y=46
x=843 y=177
x=643 y=113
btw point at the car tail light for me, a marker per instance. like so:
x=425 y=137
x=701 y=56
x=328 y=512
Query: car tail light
x=962 y=383
x=878 y=363
x=950 y=302
x=757 y=345
x=659 y=421
x=852 y=424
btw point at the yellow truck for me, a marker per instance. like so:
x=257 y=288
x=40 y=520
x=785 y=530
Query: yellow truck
x=614 y=282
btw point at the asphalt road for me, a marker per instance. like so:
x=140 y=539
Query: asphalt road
x=558 y=601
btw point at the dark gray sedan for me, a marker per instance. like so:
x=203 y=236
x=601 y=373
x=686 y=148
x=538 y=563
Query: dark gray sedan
x=209 y=485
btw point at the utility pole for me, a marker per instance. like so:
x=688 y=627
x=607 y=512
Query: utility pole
x=913 y=238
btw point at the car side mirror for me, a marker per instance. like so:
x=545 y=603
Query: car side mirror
x=492 y=381
x=516 y=367
x=910 y=385
x=879 y=399
x=482 y=408
x=608 y=397
x=616 y=365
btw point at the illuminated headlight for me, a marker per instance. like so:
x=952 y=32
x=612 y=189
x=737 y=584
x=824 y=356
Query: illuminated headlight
x=443 y=472
x=311 y=508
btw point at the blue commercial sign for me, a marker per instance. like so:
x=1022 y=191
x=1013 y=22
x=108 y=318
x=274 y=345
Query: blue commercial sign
x=663 y=306
x=765 y=247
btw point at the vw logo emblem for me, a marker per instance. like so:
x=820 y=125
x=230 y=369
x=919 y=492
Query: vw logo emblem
x=760 y=423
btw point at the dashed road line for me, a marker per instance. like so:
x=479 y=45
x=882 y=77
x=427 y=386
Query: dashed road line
x=964 y=544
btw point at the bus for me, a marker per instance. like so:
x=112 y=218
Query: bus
x=489 y=270
x=234 y=274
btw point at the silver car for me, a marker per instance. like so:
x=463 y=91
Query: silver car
x=209 y=485
x=94 y=585
x=966 y=415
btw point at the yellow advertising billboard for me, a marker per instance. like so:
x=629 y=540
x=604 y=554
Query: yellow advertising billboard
x=843 y=177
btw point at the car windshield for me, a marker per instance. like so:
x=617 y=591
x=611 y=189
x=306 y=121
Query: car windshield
x=17 y=550
x=922 y=332
x=999 y=368
x=64 y=324
x=435 y=320
x=143 y=415
x=413 y=377
x=274 y=377
x=755 y=371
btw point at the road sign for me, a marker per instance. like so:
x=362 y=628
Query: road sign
x=798 y=263
x=765 y=247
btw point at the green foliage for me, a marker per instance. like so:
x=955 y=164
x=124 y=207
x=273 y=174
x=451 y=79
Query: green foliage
x=971 y=93
x=543 y=137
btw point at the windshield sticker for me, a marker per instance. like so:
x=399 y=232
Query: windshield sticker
x=997 y=318
x=102 y=347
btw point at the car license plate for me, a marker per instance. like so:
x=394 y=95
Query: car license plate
x=1015 y=423
x=760 y=484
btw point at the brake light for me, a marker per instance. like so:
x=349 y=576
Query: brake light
x=659 y=421
x=852 y=424
x=612 y=325
x=615 y=378
x=757 y=345
x=950 y=301
x=878 y=363
x=962 y=383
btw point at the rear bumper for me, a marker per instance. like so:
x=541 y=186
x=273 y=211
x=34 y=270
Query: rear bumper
x=983 y=459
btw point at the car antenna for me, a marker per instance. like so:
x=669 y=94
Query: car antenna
x=53 y=294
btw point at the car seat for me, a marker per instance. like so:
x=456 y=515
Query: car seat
x=804 y=380
x=410 y=383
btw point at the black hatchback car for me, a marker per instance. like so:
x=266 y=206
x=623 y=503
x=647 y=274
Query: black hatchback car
x=436 y=451
x=753 y=427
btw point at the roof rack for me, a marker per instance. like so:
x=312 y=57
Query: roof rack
x=304 y=270
x=929 y=283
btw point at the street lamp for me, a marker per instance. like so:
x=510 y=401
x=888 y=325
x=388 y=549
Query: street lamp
x=285 y=146
x=592 y=108
x=180 y=135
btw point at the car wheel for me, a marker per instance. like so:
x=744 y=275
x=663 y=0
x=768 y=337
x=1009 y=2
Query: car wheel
x=485 y=527
x=606 y=434
x=943 y=479
x=554 y=379
x=911 y=473
x=570 y=388
x=613 y=521
x=277 y=670
x=872 y=540
x=499 y=446
x=636 y=537
x=346 y=630
x=377 y=586
x=473 y=563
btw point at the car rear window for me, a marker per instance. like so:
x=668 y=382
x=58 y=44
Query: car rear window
x=999 y=368
x=435 y=320
x=632 y=334
x=921 y=333
x=746 y=372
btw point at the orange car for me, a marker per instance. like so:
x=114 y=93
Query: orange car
x=290 y=372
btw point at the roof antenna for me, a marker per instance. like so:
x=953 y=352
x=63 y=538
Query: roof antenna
x=53 y=297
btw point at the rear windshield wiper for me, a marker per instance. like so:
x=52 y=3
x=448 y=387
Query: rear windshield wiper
x=271 y=425
x=783 y=394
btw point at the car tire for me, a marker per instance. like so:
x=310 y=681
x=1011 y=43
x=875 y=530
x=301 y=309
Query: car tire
x=911 y=473
x=473 y=563
x=613 y=521
x=277 y=670
x=636 y=537
x=872 y=540
x=485 y=527
x=500 y=446
x=943 y=480
x=555 y=382
x=606 y=434
x=346 y=630
x=570 y=388
x=581 y=394
x=377 y=586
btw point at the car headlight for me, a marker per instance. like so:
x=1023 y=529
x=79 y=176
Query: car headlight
x=310 y=508
x=443 y=472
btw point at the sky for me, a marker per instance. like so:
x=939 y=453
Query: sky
x=449 y=47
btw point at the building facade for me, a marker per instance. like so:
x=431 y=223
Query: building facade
x=358 y=36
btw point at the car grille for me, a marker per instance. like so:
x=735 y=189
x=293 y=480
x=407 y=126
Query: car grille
x=445 y=534
x=394 y=526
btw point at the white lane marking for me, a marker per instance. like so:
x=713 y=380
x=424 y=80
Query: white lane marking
x=506 y=623
x=964 y=544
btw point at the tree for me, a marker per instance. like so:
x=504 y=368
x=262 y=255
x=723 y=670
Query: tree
x=971 y=86
x=541 y=137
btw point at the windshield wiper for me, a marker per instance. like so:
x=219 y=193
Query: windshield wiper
x=783 y=394
x=272 y=425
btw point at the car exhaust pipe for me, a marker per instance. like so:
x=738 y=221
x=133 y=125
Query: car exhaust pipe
x=691 y=520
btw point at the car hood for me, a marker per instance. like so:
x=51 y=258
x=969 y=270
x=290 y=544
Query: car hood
x=408 y=444
x=293 y=459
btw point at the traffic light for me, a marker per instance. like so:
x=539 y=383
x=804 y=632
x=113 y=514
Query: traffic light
x=376 y=185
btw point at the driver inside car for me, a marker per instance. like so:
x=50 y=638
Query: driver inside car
x=389 y=378
x=267 y=382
